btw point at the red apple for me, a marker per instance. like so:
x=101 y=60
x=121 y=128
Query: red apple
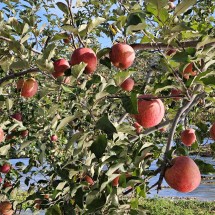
x=1 y=135
x=115 y=182
x=151 y=112
x=1 y=180
x=183 y=175
x=138 y=127
x=176 y=92
x=24 y=133
x=17 y=116
x=6 y=208
x=5 y=168
x=54 y=138
x=60 y=66
x=87 y=56
x=88 y=179
x=29 y=88
x=212 y=131
x=19 y=84
x=188 y=137
x=189 y=71
x=128 y=84
x=122 y=55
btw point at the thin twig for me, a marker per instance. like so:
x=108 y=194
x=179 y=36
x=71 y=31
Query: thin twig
x=9 y=41
x=122 y=118
x=151 y=130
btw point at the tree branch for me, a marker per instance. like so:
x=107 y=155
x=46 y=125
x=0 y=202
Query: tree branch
x=172 y=132
x=163 y=46
x=19 y=74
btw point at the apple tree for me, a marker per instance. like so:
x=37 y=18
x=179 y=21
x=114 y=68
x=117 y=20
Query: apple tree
x=94 y=92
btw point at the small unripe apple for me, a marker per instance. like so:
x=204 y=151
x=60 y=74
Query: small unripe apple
x=54 y=138
x=24 y=133
x=87 y=56
x=6 y=208
x=68 y=39
x=189 y=71
x=171 y=52
x=128 y=84
x=38 y=203
x=212 y=131
x=176 y=92
x=29 y=88
x=60 y=66
x=9 y=137
x=1 y=135
x=19 y=84
x=150 y=112
x=138 y=127
x=162 y=129
x=183 y=175
x=122 y=55
x=88 y=179
x=188 y=137
x=5 y=168
x=17 y=116
x=46 y=196
x=115 y=182
x=171 y=5
x=7 y=184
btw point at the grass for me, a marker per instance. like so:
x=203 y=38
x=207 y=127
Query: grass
x=162 y=206
x=177 y=207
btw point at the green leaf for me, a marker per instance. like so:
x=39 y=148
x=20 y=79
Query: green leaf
x=9 y=103
x=99 y=145
x=111 y=89
x=25 y=144
x=65 y=121
x=67 y=89
x=205 y=40
x=205 y=168
x=106 y=61
x=77 y=70
x=103 y=52
x=208 y=80
x=183 y=6
x=133 y=28
x=95 y=200
x=70 y=29
x=4 y=150
x=63 y=7
x=25 y=29
x=130 y=103
x=54 y=210
x=59 y=36
x=49 y=52
x=94 y=23
x=105 y=125
x=19 y=64
x=122 y=76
